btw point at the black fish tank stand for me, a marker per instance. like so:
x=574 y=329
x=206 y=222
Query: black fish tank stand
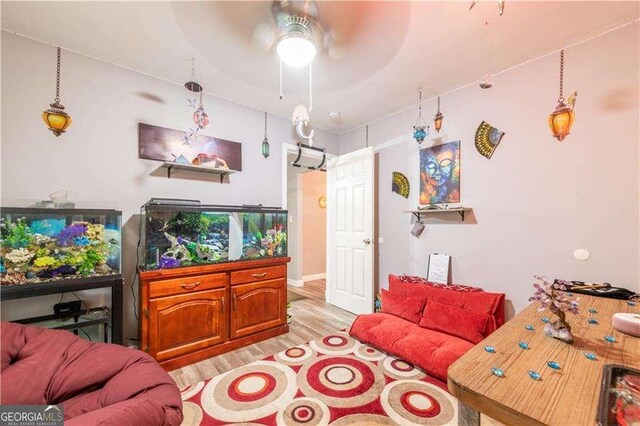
x=115 y=282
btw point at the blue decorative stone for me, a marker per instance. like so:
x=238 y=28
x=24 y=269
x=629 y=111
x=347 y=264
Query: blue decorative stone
x=490 y=349
x=630 y=303
x=529 y=327
x=610 y=339
x=590 y=355
x=523 y=345
x=497 y=371
x=553 y=365
x=534 y=375
x=593 y=321
x=545 y=320
x=592 y=311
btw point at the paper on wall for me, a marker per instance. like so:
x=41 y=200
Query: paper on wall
x=438 y=271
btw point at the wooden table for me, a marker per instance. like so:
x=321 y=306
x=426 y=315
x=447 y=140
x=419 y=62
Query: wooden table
x=566 y=396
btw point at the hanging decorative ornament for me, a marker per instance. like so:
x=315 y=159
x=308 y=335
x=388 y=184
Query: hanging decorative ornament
x=420 y=129
x=400 y=184
x=55 y=118
x=265 y=141
x=500 y=5
x=486 y=82
x=437 y=120
x=300 y=119
x=487 y=139
x=561 y=120
x=200 y=117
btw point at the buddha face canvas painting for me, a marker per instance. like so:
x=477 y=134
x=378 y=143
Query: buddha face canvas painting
x=440 y=174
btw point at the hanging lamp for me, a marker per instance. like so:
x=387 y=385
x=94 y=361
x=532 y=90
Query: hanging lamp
x=55 y=118
x=420 y=129
x=265 y=141
x=437 y=120
x=561 y=120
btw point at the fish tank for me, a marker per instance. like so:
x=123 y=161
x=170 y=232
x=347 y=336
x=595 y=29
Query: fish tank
x=50 y=244
x=180 y=233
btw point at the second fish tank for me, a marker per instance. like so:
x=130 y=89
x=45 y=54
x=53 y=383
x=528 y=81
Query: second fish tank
x=49 y=244
x=179 y=233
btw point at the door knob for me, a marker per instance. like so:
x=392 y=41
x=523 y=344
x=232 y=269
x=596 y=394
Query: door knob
x=366 y=241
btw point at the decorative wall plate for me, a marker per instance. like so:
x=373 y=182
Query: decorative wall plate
x=487 y=139
x=400 y=184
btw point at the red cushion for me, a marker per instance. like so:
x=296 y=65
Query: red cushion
x=480 y=302
x=407 y=307
x=429 y=350
x=456 y=321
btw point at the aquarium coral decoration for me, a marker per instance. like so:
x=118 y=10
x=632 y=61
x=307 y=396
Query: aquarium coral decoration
x=554 y=296
x=78 y=249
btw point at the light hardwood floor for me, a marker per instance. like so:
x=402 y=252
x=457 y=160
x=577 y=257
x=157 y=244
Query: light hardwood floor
x=311 y=318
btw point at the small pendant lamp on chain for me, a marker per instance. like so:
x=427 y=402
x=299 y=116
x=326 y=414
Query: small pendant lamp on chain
x=561 y=120
x=55 y=118
x=420 y=129
x=437 y=120
x=366 y=136
x=265 y=141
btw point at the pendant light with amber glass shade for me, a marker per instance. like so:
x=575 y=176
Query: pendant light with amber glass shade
x=561 y=120
x=55 y=118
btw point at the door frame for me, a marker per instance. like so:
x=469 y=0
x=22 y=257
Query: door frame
x=288 y=148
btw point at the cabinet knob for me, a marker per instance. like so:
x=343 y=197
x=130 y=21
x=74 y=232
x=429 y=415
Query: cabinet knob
x=234 y=303
x=190 y=286
x=222 y=304
x=261 y=275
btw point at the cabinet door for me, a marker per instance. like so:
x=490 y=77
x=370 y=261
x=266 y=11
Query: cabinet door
x=185 y=323
x=257 y=306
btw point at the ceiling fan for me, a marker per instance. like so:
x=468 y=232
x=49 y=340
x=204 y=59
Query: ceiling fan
x=294 y=29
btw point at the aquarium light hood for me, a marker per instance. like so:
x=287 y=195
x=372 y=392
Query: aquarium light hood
x=196 y=203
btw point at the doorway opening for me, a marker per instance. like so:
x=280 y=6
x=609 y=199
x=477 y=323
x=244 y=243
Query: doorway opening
x=307 y=227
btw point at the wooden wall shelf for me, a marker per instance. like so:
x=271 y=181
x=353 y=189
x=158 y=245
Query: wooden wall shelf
x=418 y=213
x=169 y=165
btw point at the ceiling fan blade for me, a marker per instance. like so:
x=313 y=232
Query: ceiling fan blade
x=263 y=38
x=501 y=6
x=473 y=3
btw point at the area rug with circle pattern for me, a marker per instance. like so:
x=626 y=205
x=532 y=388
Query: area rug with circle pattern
x=333 y=380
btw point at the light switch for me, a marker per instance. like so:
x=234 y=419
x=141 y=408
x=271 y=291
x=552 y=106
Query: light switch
x=581 y=254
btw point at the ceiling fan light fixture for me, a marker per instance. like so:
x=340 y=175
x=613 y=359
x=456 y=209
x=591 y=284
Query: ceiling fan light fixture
x=296 y=50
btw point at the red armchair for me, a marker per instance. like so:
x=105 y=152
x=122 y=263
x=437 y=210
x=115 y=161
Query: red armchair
x=96 y=383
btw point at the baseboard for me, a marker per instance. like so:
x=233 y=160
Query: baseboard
x=295 y=283
x=314 y=277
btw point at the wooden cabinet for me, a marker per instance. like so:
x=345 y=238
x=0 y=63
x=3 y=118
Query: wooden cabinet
x=190 y=314
x=184 y=323
x=257 y=306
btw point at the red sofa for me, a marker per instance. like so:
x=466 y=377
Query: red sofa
x=430 y=325
x=96 y=383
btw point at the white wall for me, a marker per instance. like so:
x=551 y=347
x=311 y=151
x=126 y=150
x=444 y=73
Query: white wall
x=537 y=199
x=98 y=158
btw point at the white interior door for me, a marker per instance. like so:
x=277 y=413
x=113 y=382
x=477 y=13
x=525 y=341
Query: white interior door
x=350 y=236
